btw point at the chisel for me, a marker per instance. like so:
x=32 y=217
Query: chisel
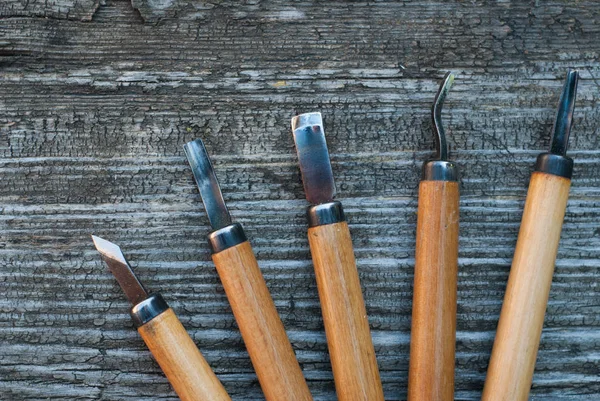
x=267 y=343
x=174 y=350
x=512 y=363
x=351 y=350
x=433 y=333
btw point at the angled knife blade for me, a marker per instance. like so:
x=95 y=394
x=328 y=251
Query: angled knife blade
x=119 y=267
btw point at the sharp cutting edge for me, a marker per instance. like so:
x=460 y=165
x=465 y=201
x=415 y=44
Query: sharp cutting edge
x=205 y=177
x=119 y=267
x=172 y=347
x=313 y=157
x=564 y=115
x=441 y=146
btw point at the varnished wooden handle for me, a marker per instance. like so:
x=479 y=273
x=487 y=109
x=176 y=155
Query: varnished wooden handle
x=181 y=361
x=520 y=327
x=270 y=350
x=433 y=334
x=351 y=349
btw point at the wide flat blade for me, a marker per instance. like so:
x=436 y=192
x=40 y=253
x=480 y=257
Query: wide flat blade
x=216 y=210
x=112 y=255
x=313 y=156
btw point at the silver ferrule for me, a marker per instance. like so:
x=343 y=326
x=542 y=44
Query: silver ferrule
x=148 y=309
x=325 y=213
x=227 y=237
x=439 y=170
x=551 y=163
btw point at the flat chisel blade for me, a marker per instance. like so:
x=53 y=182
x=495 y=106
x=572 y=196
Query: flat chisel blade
x=119 y=267
x=205 y=177
x=313 y=157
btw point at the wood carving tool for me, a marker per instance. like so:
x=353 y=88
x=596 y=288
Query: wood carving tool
x=351 y=349
x=512 y=363
x=174 y=350
x=433 y=334
x=267 y=343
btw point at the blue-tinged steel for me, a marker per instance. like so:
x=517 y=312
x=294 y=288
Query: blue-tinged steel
x=441 y=146
x=227 y=237
x=216 y=210
x=556 y=162
x=325 y=213
x=148 y=309
x=439 y=168
x=313 y=158
x=564 y=115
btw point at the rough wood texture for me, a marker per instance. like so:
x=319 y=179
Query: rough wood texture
x=53 y=9
x=522 y=317
x=351 y=350
x=433 y=329
x=93 y=117
x=181 y=361
x=272 y=356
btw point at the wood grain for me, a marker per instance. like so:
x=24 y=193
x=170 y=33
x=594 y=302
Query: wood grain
x=433 y=332
x=93 y=117
x=270 y=350
x=181 y=361
x=520 y=327
x=351 y=351
x=52 y=9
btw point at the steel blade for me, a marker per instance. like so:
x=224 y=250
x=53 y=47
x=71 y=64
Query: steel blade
x=441 y=146
x=205 y=177
x=564 y=115
x=313 y=157
x=119 y=267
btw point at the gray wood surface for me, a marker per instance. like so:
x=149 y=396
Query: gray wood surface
x=97 y=99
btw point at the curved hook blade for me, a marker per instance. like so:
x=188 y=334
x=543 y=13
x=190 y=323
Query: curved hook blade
x=441 y=147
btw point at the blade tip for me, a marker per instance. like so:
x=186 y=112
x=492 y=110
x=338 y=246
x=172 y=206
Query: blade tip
x=188 y=147
x=450 y=78
x=305 y=119
x=108 y=249
x=573 y=79
x=447 y=83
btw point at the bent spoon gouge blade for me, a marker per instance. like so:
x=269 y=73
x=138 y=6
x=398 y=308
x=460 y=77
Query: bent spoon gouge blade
x=351 y=350
x=433 y=333
x=267 y=343
x=512 y=363
x=174 y=350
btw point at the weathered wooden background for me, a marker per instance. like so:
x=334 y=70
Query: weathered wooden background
x=98 y=97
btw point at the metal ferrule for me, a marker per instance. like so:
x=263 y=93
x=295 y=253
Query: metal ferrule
x=439 y=170
x=325 y=213
x=148 y=309
x=227 y=237
x=550 y=163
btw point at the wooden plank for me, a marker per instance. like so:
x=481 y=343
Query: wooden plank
x=82 y=10
x=93 y=117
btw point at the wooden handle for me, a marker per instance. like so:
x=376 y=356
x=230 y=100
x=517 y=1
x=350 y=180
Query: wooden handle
x=181 y=361
x=351 y=349
x=270 y=350
x=433 y=335
x=520 y=327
